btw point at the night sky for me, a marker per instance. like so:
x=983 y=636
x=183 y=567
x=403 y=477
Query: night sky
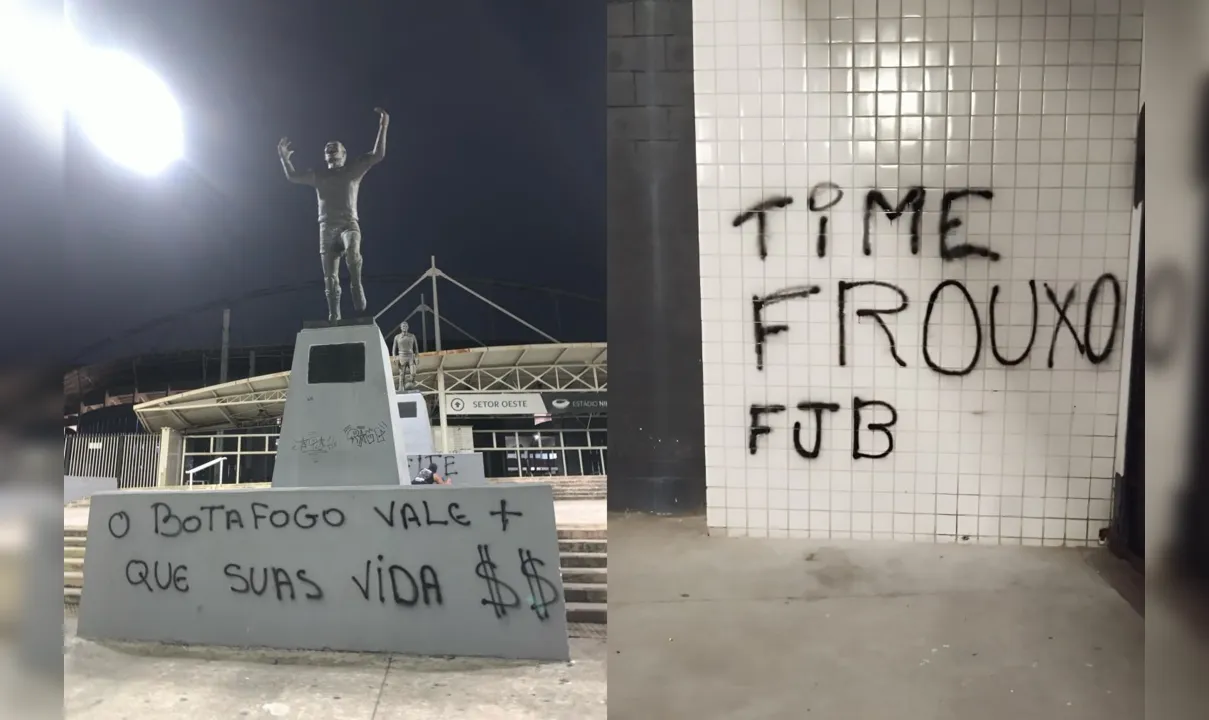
x=495 y=164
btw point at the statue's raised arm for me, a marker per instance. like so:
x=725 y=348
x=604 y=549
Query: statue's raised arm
x=379 y=151
x=378 y=154
x=284 y=151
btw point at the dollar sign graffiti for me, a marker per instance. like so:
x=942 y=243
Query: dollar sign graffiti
x=495 y=587
x=542 y=593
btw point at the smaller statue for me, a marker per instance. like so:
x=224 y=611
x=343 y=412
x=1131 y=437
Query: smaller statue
x=405 y=351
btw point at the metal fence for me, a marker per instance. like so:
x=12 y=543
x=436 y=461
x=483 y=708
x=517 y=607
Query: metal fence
x=131 y=458
x=248 y=458
x=237 y=458
x=555 y=453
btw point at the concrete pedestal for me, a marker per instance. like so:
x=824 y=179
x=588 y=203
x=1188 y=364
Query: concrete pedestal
x=417 y=427
x=420 y=570
x=325 y=560
x=341 y=424
x=463 y=469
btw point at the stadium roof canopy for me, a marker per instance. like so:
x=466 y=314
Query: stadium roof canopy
x=141 y=378
x=259 y=401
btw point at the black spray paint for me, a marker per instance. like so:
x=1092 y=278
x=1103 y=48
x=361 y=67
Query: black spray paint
x=408 y=516
x=360 y=436
x=818 y=409
x=501 y=597
x=1098 y=357
x=167 y=523
x=757 y=427
x=1032 y=286
x=1106 y=284
x=504 y=514
x=948 y=224
x=977 y=330
x=449 y=463
x=1062 y=321
x=258 y=581
x=826 y=195
x=406 y=588
x=815 y=204
x=764 y=330
x=882 y=427
x=844 y=287
x=759 y=211
x=542 y=592
x=119 y=524
x=164 y=575
x=913 y=201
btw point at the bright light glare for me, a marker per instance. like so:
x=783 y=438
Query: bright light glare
x=119 y=104
x=34 y=61
x=126 y=111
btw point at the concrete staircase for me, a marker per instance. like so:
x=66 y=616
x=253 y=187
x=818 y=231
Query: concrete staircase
x=582 y=488
x=583 y=558
x=592 y=487
x=74 y=540
x=586 y=487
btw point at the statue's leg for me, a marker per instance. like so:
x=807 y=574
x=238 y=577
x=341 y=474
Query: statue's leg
x=352 y=257
x=330 y=250
x=331 y=283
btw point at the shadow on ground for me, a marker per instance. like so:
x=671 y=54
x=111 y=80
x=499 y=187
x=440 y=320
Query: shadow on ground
x=113 y=681
x=708 y=628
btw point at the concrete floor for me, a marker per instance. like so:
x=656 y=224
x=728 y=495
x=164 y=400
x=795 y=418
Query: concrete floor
x=128 y=681
x=706 y=628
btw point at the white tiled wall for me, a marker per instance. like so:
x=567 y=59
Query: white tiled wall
x=1034 y=100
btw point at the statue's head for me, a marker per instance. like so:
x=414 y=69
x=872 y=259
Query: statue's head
x=334 y=154
x=403 y=328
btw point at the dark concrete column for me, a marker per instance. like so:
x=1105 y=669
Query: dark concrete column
x=656 y=436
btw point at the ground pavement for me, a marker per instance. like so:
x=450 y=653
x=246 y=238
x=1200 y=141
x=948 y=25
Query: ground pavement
x=763 y=629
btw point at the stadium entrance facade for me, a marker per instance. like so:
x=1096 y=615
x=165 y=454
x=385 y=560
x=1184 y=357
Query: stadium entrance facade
x=531 y=410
